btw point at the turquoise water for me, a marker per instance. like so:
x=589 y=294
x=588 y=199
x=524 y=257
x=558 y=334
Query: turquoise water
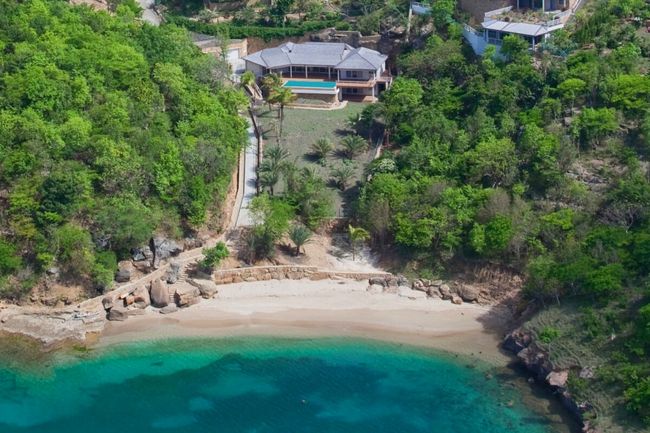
x=310 y=84
x=255 y=385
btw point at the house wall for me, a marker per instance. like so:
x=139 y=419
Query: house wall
x=255 y=69
x=361 y=75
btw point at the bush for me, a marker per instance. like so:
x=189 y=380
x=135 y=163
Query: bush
x=9 y=260
x=213 y=256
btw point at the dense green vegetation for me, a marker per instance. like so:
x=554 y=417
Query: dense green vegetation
x=110 y=129
x=537 y=165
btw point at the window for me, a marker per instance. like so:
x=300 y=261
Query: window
x=351 y=74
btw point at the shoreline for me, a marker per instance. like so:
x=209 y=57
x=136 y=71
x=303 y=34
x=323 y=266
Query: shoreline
x=326 y=308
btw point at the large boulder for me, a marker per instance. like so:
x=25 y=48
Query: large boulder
x=117 y=313
x=456 y=300
x=558 y=378
x=107 y=303
x=434 y=292
x=142 y=297
x=141 y=254
x=186 y=295
x=445 y=292
x=159 y=293
x=123 y=275
x=469 y=293
x=379 y=281
x=164 y=248
x=171 y=308
x=207 y=288
x=174 y=272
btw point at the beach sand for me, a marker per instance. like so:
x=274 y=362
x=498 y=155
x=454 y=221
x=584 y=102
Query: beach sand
x=326 y=308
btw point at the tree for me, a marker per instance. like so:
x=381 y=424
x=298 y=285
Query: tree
x=353 y=145
x=299 y=235
x=270 y=222
x=630 y=93
x=401 y=101
x=493 y=161
x=272 y=166
x=515 y=48
x=594 y=124
x=123 y=222
x=282 y=96
x=74 y=250
x=247 y=78
x=213 y=256
x=357 y=236
x=570 y=89
x=321 y=149
x=9 y=260
x=342 y=175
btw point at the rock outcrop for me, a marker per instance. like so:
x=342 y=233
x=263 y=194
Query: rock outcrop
x=538 y=363
x=164 y=248
x=52 y=327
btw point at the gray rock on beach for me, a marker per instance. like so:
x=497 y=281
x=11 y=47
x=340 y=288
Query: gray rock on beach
x=117 y=313
x=171 y=308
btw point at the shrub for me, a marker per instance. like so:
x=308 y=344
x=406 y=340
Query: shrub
x=213 y=256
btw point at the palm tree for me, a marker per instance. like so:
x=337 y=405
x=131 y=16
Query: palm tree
x=353 y=145
x=357 y=235
x=342 y=175
x=299 y=235
x=321 y=148
x=273 y=164
x=284 y=97
x=276 y=154
x=270 y=82
x=268 y=178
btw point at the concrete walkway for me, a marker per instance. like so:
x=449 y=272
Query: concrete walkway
x=250 y=178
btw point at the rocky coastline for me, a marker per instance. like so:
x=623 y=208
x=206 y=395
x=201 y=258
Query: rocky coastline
x=536 y=360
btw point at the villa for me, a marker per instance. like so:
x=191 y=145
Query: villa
x=324 y=71
x=532 y=20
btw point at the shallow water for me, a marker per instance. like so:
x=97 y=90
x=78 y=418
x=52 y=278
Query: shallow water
x=261 y=385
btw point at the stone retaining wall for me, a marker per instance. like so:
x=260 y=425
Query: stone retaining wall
x=289 y=272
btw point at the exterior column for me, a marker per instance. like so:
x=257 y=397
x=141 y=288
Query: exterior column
x=306 y=71
x=373 y=93
x=329 y=73
x=290 y=71
x=338 y=75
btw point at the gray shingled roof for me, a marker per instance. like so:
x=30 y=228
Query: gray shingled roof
x=328 y=54
x=524 y=29
x=362 y=58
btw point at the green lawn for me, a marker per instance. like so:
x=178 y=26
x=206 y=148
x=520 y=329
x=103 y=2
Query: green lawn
x=302 y=128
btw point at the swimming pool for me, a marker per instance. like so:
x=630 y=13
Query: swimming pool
x=310 y=84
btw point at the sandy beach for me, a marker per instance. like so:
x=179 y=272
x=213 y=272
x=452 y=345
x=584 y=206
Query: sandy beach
x=306 y=308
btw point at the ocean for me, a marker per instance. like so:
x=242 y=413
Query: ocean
x=260 y=385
